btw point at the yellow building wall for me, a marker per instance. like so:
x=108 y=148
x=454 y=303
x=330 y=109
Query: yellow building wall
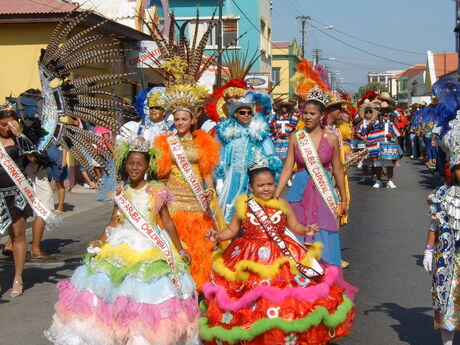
x=20 y=45
x=283 y=87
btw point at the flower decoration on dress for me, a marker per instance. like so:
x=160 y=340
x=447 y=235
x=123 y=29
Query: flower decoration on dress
x=227 y=317
x=291 y=339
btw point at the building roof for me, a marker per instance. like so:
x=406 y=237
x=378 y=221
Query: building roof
x=281 y=44
x=35 y=6
x=46 y=11
x=412 y=71
x=444 y=63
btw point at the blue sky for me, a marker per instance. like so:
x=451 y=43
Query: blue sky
x=411 y=25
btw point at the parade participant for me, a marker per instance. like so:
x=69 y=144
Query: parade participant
x=282 y=124
x=312 y=195
x=381 y=130
x=266 y=282
x=17 y=199
x=240 y=135
x=185 y=165
x=151 y=109
x=134 y=286
x=367 y=112
x=339 y=124
x=442 y=253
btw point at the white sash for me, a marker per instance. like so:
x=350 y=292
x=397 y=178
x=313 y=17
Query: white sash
x=316 y=170
x=144 y=227
x=187 y=171
x=26 y=189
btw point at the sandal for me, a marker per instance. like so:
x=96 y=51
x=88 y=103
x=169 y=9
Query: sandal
x=7 y=252
x=41 y=256
x=18 y=291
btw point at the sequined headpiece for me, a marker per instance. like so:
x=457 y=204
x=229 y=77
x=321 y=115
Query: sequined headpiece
x=258 y=162
x=451 y=141
x=317 y=94
x=138 y=145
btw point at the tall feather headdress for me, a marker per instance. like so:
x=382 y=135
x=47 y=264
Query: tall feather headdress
x=88 y=98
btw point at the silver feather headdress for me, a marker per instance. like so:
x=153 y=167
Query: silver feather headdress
x=87 y=98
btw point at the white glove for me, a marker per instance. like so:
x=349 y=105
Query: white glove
x=93 y=250
x=219 y=186
x=428 y=260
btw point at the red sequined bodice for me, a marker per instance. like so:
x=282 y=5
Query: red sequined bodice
x=252 y=228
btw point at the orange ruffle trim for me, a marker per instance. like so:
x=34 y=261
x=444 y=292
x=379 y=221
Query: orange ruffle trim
x=208 y=153
x=192 y=228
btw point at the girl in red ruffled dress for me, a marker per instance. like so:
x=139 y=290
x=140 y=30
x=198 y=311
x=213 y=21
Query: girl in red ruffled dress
x=266 y=287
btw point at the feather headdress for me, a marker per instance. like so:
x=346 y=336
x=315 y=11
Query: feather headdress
x=305 y=79
x=86 y=98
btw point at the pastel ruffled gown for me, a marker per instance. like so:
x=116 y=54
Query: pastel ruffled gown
x=257 y=295
x=124 y=294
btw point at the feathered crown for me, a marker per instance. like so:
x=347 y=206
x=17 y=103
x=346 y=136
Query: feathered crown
x=184 y=97
x=317 y=94
x=258 y=162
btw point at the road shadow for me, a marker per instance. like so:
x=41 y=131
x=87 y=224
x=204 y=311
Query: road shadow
x=54 y=245
x=415 y=327
x=418 y=260
x=35 y=273
x=67 y=207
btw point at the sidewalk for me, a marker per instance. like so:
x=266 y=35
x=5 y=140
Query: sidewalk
x=78 y=200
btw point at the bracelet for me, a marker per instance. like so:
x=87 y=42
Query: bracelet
x=99 y=242
x=429 y=248
x=213 y=190
x=182 y=252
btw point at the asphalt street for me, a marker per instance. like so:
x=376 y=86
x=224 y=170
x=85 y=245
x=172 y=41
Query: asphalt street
x=383 y=242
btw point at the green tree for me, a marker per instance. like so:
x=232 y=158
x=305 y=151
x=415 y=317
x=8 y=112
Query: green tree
x=374 y=86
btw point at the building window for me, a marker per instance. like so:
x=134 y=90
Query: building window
x=262 y=35
x=374 y=79
x=276 y=75
x=229 y=32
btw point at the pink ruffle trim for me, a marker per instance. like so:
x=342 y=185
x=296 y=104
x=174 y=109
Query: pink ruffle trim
x=122 y=312
x=270 y=293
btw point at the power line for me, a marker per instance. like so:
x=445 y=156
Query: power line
x=376 y=44
x=362 y=50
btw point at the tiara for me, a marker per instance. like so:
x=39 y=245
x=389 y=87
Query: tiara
x=317 y=94
x=138 y=145
x=258 y=162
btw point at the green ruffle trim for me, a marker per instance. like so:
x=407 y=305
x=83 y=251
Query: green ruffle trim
x=145 y=271
x=236 y=334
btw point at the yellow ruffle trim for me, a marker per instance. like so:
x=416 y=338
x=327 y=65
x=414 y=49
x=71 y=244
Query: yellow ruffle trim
x=244 y=268
x=129 y=256
x=241 y=207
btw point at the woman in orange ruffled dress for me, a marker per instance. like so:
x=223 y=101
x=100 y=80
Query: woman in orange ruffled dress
x=191 y=198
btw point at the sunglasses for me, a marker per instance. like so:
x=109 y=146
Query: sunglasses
x=245 y=112
x=368 y=112
x=155 y=108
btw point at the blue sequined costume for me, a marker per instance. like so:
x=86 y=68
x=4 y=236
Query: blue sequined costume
x=239 y=142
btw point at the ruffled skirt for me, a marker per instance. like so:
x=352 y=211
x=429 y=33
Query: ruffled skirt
x=124 y=295
x=257 y=296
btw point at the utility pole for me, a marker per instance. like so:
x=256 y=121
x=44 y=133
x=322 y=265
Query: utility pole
x=303 y=21
x=317 y=55
x=219 y=47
